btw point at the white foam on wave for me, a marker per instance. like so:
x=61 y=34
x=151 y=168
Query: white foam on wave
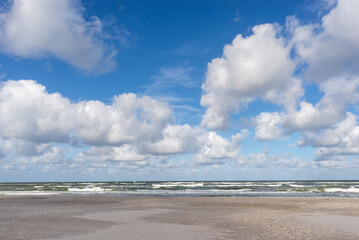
x=177 y=184
x=87 y=189
x=269 y=185
x=297 y=185
x=348 y=190
x=244 y=184
x=228 y=185
x=228 y=190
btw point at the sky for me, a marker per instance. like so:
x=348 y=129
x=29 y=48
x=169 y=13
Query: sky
x=179 y=90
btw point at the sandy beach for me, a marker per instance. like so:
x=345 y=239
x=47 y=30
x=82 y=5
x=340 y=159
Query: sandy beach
x=113 y=217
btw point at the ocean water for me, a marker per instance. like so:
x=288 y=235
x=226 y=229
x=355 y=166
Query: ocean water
x=347 y=189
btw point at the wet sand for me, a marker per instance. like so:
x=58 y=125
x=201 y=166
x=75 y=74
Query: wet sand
x=187 y=218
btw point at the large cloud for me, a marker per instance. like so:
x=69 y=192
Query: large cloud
x=341 y=139
x=258 y=66
x=208 y=147
x=42 y=28
x=129 y=119
x=330 y=53
x=269 y=66
x=35 y=124
x=330 y=48
x=273 y=65
x=340 y=93
x=28 y=112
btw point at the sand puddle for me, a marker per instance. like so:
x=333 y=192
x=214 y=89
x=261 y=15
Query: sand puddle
x=130 y=225
x=340 y=223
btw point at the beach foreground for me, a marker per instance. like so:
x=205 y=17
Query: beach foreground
x=113 y=217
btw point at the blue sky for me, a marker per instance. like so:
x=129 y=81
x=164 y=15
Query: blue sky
x=178 y=90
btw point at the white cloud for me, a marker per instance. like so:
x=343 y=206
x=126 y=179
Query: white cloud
x=128 y=119
x=132 y=129
x=263 y=159
x=217 y=149
x=340 y=140
x=20 y=147
x=333 y=136
x=18 y=155
x=335 y=143
x=208 y=147
x=272 y=66
x=29 y=113
x=49 y=154
x=340 y=93
x=330 y=162
x=268 y=126
x=258 y=66
x=56 y=28
x=332 y=47
x=177 y=139
x=125 y=152
x=329 y=52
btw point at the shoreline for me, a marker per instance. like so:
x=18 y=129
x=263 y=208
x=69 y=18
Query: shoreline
x=119 y=195
x=94 y=217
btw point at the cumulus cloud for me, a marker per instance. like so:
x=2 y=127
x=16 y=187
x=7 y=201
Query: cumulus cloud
x=330 y=53
x=177 y=139
x=49 y=154
x=209 y=147
x=340 y=93
x=29 y=112
x=268 y=126
x=258 y=66
x=330 y=162
x=263 y=159
x=333 y=136
x=342 y=139
x=128 y=119
x=126 y=152
x=217 y=149
x=131 y=129
x=274 y=65
x=332 y=47
x=21 y=148
x=20 y=155
x=56 y=28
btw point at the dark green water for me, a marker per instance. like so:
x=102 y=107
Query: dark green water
x=349 y=189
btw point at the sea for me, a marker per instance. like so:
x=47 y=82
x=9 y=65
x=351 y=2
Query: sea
x=342 y=189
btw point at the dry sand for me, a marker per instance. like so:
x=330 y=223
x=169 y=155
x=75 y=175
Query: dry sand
x=186 y=218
